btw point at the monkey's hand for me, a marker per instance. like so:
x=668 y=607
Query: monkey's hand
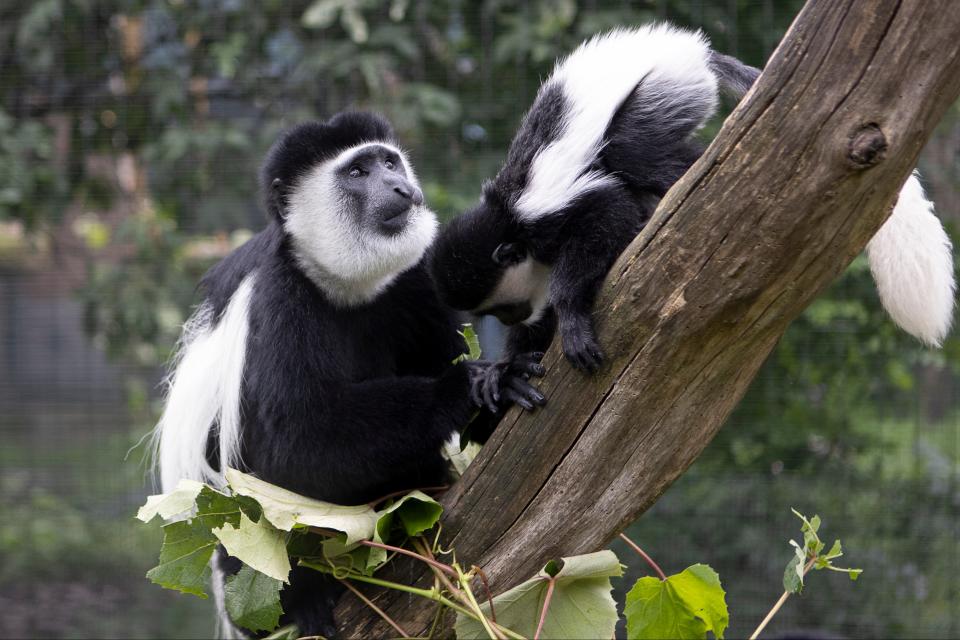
x=509 y=379
x=580 y=342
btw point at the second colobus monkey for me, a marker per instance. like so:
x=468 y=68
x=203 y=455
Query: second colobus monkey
x=609 y=133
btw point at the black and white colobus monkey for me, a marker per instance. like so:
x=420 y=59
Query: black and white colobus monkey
x=321 y=358
x=609 y=133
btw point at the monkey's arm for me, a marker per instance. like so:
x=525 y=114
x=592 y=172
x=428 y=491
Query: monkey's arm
x=598 y=233
x=354 y=442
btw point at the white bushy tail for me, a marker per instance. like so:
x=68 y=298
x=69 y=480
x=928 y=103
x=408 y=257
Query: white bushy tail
x=911 y=259
x=204 y=393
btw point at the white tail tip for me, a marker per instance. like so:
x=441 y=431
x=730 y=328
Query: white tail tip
x=911 y=259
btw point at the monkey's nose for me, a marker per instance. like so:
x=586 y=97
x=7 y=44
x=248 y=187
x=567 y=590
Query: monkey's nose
x=410 y=192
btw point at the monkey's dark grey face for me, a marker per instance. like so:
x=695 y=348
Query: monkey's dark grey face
x=380 y=194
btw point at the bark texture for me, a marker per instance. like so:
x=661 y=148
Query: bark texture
x=799 y=178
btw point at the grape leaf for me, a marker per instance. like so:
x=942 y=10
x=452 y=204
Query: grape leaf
x=285 y=509
x=253 y=600
x=685 y=605
x=581 y=606
x=416 y=512
x=168 y=505
x=184 y=557
x=258 y=545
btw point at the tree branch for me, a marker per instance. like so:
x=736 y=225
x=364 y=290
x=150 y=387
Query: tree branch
x=800 y=177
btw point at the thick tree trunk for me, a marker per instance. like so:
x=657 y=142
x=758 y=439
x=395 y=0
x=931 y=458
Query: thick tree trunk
x=797 y=181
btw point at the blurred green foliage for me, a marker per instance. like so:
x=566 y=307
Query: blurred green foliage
x=140 y=124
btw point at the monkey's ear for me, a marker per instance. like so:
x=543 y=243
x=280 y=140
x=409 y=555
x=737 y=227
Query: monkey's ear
x=275 y=200
x=509 y=253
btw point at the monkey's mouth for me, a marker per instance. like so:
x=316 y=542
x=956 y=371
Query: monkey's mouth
x=395 y=220
x=509 y=314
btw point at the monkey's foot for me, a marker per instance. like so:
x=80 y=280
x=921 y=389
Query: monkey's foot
x=580 y=345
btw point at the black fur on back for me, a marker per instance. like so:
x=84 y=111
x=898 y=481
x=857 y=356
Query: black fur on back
x=540 y=126
x=649 y=143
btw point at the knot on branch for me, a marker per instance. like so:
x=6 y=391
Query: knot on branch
x=867 y=147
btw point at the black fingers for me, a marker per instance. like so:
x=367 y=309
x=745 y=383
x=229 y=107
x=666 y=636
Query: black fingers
x=528 y=364
x=495 y=386
x=518 y=399
x=582 y=350
x=491 y=388
x=529 y=396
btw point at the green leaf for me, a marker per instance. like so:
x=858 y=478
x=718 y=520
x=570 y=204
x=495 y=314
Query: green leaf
x=473 y=344
x=184 y=557
x=811 y=541
x=685 y=605
x=417 y=512
x=793 y=575
x=285 y=509
x=258 y=545
x=253 y=600
x=835 y=551
x=215 y=509
x=168 y=505
x=581 y=606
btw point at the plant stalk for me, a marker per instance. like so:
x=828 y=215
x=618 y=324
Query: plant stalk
x=380 y=612
x=643 y=554
x=779 y=603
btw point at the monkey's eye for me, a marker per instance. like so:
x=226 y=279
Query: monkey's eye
x=389 y=165
x=356 y=172
x=509 y=253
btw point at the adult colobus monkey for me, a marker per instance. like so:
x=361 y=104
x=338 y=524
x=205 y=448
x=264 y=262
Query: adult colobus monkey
x=609 y=132
x=321 y=358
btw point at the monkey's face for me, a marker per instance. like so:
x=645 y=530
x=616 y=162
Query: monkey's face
x=481 y=264
x=376 y=189
x=360 y=217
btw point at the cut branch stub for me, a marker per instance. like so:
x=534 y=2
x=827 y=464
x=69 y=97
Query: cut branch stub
x=777 y=207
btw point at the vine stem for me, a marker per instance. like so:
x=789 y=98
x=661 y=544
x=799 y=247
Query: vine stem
x=779 y=603
x=388 y=547
x=486 y=588
x=643 y=554
x=422 y=546
x=380 y=612
x=468 y=593
x=413 y=554
x=546 y=605
x=429 y=594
